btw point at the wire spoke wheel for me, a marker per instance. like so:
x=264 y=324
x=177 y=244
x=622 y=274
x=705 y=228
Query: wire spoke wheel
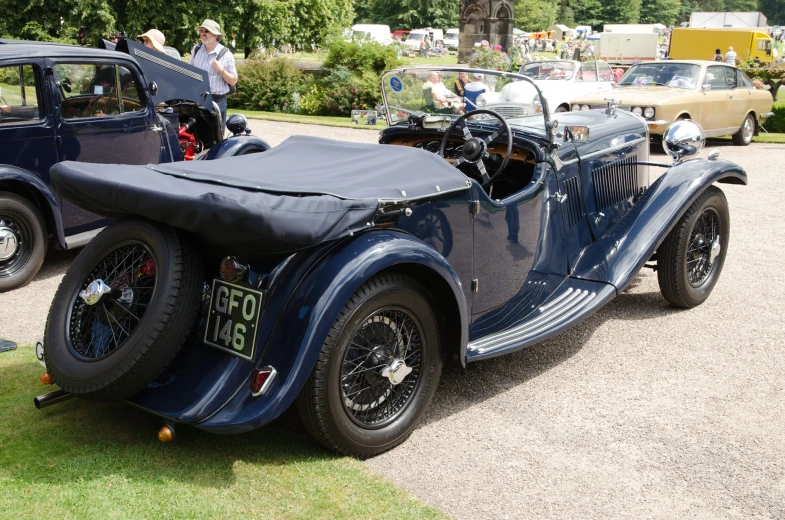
x=690 y=259
x=704 y=235
x=370 y=398
x=97 y=329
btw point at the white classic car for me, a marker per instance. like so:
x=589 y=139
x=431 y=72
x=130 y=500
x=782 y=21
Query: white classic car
x=560 y=82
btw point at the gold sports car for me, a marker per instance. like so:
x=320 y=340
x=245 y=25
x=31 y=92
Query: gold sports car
x=719 y=97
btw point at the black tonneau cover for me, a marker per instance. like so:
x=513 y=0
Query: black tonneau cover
x=305 y=191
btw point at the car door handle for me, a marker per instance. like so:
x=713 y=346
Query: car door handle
x=156 y=128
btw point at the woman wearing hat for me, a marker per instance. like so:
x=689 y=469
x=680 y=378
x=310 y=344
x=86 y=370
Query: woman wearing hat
x=154 y=39
x=218 y=61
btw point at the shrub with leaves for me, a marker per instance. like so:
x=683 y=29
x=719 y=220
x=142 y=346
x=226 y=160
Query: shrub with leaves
x=362 y=56
x=340 y=92
x=491 y=60
x=267 y=85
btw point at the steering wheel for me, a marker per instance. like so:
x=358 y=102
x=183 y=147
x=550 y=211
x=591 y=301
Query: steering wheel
x=474 y=149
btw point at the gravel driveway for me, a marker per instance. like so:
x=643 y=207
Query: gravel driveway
x=641 y=411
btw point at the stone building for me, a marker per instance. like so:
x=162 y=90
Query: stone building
x=490 y=20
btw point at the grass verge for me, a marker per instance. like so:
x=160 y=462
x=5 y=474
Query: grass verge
x=760 y=138
x=87 y=460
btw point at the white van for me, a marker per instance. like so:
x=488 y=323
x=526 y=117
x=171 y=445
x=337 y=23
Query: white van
x=415 y=39
x=451 y=39
x=375 y=32
x=416 y=36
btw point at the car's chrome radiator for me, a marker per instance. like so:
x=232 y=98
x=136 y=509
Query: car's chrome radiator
x=509 y=111
x=615 y=182
x=572 y=206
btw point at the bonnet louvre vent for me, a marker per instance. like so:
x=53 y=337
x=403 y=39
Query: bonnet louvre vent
x=615 y=182
x=572 y=206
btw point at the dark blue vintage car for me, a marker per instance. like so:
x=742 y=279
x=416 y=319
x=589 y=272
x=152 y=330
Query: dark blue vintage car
x=337 y=277
x=127 y=105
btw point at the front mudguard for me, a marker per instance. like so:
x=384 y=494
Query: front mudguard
x=621 y=252
x=236 y=145
x=294 y=345
x=13 y=175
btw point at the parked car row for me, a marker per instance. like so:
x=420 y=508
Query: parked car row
x=720 y=97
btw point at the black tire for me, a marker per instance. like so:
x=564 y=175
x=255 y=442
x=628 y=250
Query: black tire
x=20 y=218
x=685 y=273
x=745 y=134
x=348 y=422
x=112 y=349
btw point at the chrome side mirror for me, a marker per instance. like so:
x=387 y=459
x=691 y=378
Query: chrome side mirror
x=682 y=139
x=705 y=87
x=153 y=88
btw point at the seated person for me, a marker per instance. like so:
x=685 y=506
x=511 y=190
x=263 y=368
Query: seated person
x=474 y=89
x=438 y=93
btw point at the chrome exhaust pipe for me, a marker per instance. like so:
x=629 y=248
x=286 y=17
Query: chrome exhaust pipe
x=58 y=396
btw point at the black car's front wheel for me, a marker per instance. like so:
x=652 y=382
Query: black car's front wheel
x=22 y=241
x=377 y=371
x=690 y=259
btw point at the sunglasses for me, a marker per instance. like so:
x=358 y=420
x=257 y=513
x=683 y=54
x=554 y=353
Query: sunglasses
x=204 y=31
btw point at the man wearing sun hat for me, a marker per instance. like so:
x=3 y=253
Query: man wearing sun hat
x=218 y=61
x=154 y=39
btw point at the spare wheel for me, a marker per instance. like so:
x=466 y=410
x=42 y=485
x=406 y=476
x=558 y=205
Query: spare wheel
x=123 y=310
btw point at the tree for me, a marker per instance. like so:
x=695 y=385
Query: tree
x=413 y=14
x=535 y=15
x=660 y=11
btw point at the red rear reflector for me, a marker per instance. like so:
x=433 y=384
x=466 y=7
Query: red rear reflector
x=261 y=378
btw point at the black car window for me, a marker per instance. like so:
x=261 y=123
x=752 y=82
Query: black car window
x=730 y=77
x=87 y=90
x=129 y=86
x=715 y=76
x=19 y=94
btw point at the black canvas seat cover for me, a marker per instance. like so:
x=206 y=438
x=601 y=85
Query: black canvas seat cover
x=305 y=191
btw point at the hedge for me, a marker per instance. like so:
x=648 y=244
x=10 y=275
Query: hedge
x=776 y=123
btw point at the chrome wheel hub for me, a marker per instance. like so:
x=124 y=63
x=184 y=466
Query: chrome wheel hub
x=92 y=293
x=716 y=249
x=9 y=243
x=396 y=371
x=747 y=129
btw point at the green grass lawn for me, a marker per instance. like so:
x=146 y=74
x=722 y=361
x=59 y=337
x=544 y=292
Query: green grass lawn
x=85 y=460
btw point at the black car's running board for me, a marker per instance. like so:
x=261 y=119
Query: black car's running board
x=570 y=305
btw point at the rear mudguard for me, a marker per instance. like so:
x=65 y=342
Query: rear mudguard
x=621 y=252
x=236 y=145
x=302 y=326
x=14 y=174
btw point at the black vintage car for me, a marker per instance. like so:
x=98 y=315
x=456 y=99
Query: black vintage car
x=336 y=277
x=126 y=104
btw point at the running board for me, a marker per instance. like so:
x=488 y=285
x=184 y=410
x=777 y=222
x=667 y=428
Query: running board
x=575 y=301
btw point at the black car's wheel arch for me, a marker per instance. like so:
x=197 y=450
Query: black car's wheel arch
x=36 y=198
x=293 y=374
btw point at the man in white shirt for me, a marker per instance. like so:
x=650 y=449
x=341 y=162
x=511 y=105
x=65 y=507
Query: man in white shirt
x=730 y=56
x=473 y=89
x=218 y=61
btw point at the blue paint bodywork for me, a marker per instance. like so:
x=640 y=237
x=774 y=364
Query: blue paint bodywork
x=504 y=273
x=29 y=148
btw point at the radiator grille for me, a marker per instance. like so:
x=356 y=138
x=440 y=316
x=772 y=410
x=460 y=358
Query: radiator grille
x=615 y=182
x=572 y=206
x=509 y=111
